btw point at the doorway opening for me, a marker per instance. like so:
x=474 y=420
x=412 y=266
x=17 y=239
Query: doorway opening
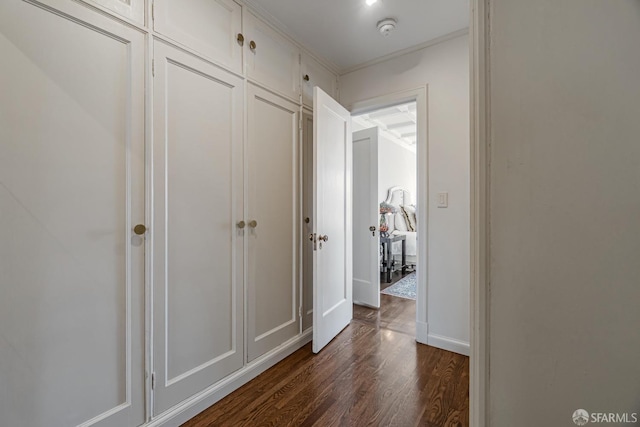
x=390 y=202
x=384 y=184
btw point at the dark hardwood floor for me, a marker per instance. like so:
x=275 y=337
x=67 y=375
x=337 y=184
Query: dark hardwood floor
x=372 y=374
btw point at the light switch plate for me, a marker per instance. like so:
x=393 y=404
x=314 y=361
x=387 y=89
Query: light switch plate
x=443 y=200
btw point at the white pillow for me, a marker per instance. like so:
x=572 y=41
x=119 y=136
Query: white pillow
x=409 y=214
x=400 y=223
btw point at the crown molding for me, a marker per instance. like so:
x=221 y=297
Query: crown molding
x=393 y=55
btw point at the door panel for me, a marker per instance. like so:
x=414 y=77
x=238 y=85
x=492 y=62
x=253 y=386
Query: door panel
x=209 y=27
x=366 y=243
x=307 y=227
x=317 y=75
x=332 y=259
x=131 y=9
x=198 y=249
x=71 y=190
x=275 y=62
x=273 y=280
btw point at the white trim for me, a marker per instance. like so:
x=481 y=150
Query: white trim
x=420 y=96
x=197 y=403
x=393 y=55
x=449 y=344
x=422 y=332
x=480 y=170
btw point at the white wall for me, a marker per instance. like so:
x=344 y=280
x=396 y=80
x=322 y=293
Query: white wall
x=397 y=166
x=444 y=67
x=565 y=210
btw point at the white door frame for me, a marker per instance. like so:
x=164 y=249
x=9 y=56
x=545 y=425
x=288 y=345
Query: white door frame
x=419 y=95
x=480 y=170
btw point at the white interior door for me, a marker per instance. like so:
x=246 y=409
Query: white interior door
x=71 y=192
x=307 y=222
x=366 y=240
x=198 y=250
x=332 y=256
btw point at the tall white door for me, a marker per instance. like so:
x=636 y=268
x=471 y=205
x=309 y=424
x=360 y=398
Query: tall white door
x=273 y=212
x=71 y=193
x=332 y=215
x=307 y=219
x=198 y=247
x=366 y=240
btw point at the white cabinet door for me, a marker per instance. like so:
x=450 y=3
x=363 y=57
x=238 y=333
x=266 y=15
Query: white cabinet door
x=307 y=222
x=198 y=250
x=273 y=203
x=315 y=74
x=332 y=215
x=131 y=9
x=274 y=61
x=209 y=27
x=71 y=192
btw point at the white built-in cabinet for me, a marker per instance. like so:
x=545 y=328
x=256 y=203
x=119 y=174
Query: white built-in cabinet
x=316 y=74
x=272 y=60
x=210 y=28
x=187 y=121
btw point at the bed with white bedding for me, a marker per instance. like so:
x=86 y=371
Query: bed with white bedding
x=403 y=221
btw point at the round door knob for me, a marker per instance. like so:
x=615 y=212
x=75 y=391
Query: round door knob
x=306 y=77
x=252 y=45
x=324 y=238
x=240 y=39
x=253 y=223
x=139 y=229
x=307 y=220
x=372 y=228
x=241 y=224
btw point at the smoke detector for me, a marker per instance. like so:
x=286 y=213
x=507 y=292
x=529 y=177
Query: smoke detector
x=386 y=26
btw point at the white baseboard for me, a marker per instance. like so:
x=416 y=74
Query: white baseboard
x=191 y=407
x=422 y=332
x=449 y=344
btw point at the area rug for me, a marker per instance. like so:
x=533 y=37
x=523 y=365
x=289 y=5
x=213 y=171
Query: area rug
x=403 y=288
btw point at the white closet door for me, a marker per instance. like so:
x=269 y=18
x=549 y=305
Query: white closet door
x=315 y=74
x=307 y=215
x=275 y=61
x=209 y=27
x=273 y=260
x=131 y=9
x=198 y=250
x=71 y=191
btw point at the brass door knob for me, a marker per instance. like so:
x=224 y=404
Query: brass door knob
x=240 y=39
x=372 y=228
x=140 y=229
x=253 y=223
x=241 y=224
x=252 y=45
x=324 y=238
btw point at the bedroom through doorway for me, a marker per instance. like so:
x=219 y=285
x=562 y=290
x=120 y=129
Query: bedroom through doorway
x=385 y=226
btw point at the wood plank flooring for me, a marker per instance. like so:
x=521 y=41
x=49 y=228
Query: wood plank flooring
x=372 y=374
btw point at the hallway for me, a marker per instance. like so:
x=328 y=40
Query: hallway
x=373 y=373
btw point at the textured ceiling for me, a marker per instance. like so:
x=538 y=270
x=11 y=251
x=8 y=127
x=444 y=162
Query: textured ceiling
x=344 y=31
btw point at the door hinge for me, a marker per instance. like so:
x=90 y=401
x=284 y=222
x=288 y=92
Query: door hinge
x=153 y=381
x=153 y=67
x=300 y=311
x=153 y=11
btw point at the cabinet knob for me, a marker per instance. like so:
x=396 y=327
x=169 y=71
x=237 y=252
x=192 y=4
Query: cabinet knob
x=252 y=45
x=307 y=220
x=140 y=229
x=253 y=223
x=306 y=77
x=241 y=224
x=240 y=39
